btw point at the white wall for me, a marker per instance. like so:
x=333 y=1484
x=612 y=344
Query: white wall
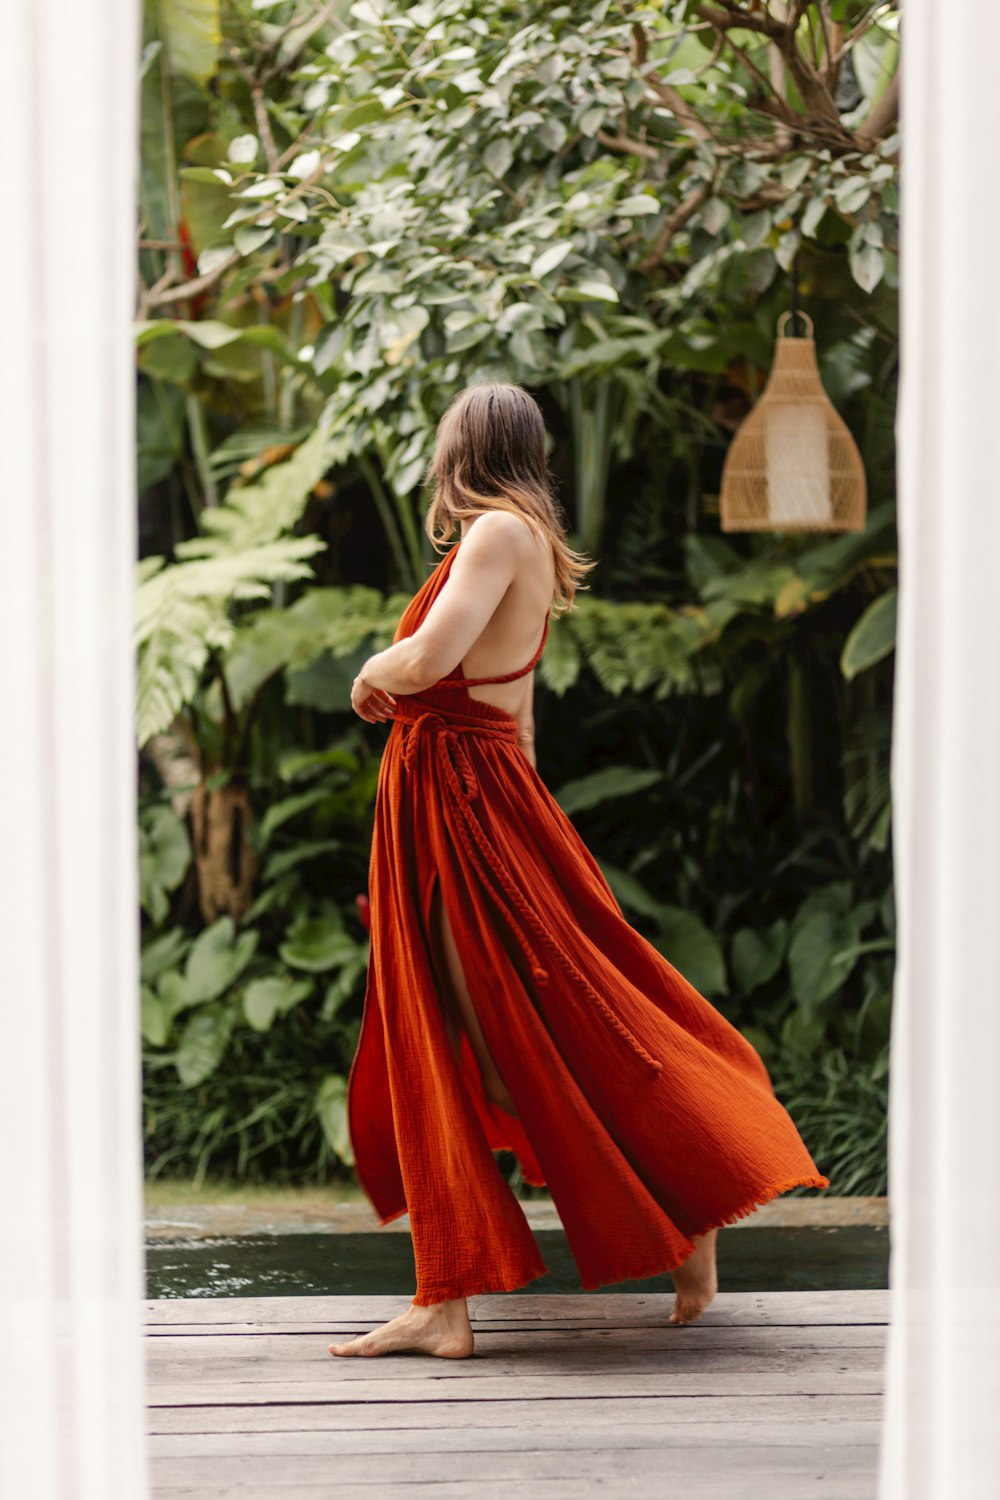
x=71 y=1387
x=942 y=1436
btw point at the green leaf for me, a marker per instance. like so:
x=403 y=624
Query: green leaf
x=760 y=1040
x=707 y=559
x=498 y=157
x=757 y=956
x=342 y=987
x=818 y=957
x=289 y=859
x=853 y=193
x=203 y=1044
x=814 y=211
x=258 y=512
x=324 y=684
x=264 y=187
x=331 y=1111
x=636 y=205
x=173 y=992
x=162 y=954
x=290 y=807
x=873 y=637
x=629 y=892
x=274 y=996
x=172 y=359
x=587 y=291
x=305 y=165
x=317 y=944
x=787 y=249
x=191 y=34
x=691 y=948
x=216 y=959
x=592 y=119
x=754 y=228
x=715 y=215
x=550 y=258
x=366 y=112
x=803 y=1031
x=604 y=786
x=164 y=858
x=243 y=149
x=867 y=266
x=794 y=173
x=156 y=1017
x=183 y=611
x=249 y=238
x=312 y=762
x=561 y=662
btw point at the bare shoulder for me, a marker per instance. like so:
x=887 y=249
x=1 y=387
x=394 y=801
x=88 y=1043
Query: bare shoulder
x=501 y=528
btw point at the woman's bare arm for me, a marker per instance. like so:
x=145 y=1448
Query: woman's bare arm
x=492 y=551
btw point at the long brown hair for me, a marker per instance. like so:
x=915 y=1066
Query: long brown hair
x=490 y=455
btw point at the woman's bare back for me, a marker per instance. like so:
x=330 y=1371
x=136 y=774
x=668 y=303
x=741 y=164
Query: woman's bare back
x=514 y=630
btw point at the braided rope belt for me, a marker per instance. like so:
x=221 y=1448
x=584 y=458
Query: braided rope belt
x=444 y=735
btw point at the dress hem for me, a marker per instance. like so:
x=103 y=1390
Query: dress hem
x=481 y=1289
x=454 y=1292
x=765 y=1195
x=397 y=1213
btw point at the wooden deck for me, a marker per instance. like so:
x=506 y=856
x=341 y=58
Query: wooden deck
x=769 y=1396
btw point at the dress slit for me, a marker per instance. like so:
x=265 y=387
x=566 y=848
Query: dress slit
x=457 y=1023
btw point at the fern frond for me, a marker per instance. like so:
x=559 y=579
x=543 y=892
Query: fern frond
x=182 y=615
x=256 y=513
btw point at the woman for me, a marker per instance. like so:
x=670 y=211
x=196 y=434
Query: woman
x=509 y=1004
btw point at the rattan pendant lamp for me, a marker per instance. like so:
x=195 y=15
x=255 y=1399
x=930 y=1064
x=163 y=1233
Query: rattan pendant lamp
x=793 y=465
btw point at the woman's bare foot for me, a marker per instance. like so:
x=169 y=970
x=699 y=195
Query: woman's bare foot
x=695 y=1280
x=443 y=1329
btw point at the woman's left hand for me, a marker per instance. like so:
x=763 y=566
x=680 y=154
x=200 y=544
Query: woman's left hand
x=374 y=705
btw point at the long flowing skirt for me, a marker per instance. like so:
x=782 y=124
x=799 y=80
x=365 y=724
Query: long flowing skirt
x=648 y=1115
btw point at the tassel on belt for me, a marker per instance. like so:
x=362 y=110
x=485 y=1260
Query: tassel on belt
x=446 y=734
x=449 y=732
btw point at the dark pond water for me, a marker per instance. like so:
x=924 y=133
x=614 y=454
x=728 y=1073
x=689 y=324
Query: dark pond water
x=845 y=1257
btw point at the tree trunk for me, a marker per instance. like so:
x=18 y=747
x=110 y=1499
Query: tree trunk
x=226 y=864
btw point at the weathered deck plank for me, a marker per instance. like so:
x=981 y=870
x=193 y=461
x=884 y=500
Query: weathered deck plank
x=553 y=1310
x=770 y=1396
x=597 y=1412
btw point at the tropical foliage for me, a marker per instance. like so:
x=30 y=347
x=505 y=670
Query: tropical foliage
x=349 y=211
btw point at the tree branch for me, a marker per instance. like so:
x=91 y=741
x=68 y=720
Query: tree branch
x=781 y=30
x=162 y=295
x=626 y=145
x=882 y=116
x=256 y=87
x=675 y=221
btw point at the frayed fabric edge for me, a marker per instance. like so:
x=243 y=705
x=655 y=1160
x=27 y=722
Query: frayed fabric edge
x=481 y=1289
x=765 y=1195
x=817 y=1180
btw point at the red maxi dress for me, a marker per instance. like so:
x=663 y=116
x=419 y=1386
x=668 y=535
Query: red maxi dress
x=646 y=1113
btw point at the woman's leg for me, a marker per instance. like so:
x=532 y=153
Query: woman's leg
x=460 y=1006
x=440 y=1328
x=696 y=1279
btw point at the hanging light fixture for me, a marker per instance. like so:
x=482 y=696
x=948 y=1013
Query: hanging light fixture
x=793 y=465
